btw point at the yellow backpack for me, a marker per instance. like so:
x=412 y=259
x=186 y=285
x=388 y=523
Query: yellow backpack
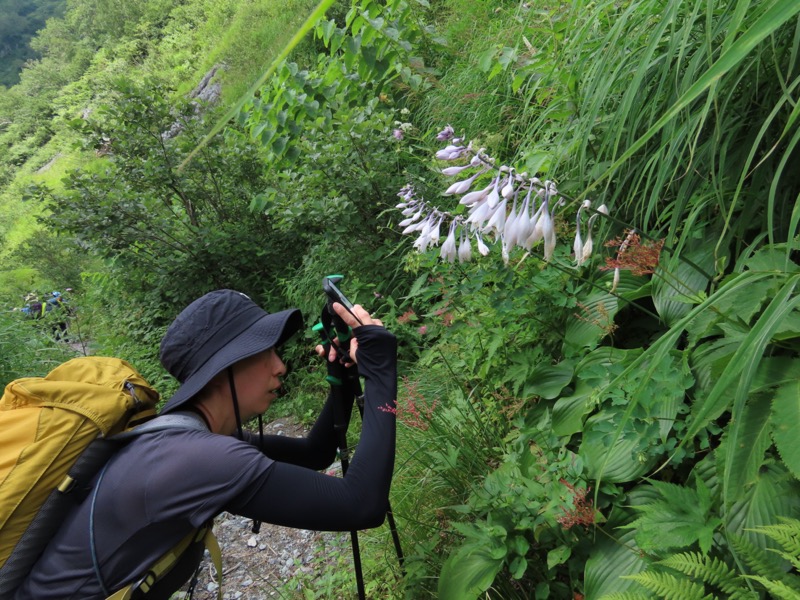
x=57 y=432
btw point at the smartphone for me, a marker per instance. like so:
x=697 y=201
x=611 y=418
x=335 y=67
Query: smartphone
x=335 y=294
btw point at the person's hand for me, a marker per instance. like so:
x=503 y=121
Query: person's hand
x=350 y=320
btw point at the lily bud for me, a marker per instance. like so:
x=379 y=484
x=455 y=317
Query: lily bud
x=459 y=187
x=448 y=251
x=475 y=197
x=482 y=247
x=450 y=171
x=464 y=249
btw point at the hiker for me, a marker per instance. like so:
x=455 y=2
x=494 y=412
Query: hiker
x=163 y=485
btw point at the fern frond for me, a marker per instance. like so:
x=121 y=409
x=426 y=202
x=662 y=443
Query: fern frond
x=625 y=596
x=761 y=562
x=776 y=589
x=706 y=569
x=786 y=534
x=668 y=586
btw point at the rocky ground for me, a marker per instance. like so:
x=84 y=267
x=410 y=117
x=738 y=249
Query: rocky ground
x=274 y=563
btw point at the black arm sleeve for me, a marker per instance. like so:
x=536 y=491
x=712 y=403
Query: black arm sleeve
x=294 y=496
x=315 y=451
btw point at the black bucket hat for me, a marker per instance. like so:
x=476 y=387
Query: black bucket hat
x=216 y=331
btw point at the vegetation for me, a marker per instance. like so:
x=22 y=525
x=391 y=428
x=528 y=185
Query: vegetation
x=621 y=425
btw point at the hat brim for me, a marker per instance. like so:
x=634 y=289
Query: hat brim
x=269 y=331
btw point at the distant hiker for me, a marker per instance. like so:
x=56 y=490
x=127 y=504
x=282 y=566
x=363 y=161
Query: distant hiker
x=163 y=485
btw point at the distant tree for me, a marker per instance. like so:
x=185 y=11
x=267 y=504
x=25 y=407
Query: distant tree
x=19 y=22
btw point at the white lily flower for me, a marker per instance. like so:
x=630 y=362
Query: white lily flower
x=508 y=188
x=459 y=187
x=524 y=225
x=536 y=230
x=476 y=196
x=588 y=246
x=498 y=220
x=494 y=195
x=509 y=230
x=548 y=231
x=411 y=219
x=434 y=233
x=448 y=250
x=482 y=247
x=421 y=245
x=479 y=213
x=477 y=160
x=577 y=247
x=464 y=249
x=450 y=171
x=504 y=252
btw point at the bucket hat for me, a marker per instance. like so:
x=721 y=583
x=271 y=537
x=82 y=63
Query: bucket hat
x=216 y=331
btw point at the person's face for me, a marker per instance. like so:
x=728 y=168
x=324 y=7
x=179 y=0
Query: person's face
x=257 y=382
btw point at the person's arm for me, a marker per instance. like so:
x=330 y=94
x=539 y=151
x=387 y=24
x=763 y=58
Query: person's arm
x=317 y=450
x=298 y=497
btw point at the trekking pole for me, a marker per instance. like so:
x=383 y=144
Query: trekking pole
x=336 y=379
x=343 y=332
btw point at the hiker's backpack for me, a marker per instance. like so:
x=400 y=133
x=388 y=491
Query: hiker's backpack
x=57 y=433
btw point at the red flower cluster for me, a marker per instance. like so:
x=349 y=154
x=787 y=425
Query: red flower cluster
x=414 y=411
x=633 y=255
x=582 y=512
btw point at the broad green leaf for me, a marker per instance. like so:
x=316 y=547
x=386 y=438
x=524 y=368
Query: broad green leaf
x=748 y=452
x=568 y=412
x=744 y=365
x=775 y=494
x=547 y=381
x=677 y=285
x=558 y=556
x=612 y=557
x=786 y=424
x=468 y=573
x=617 y=460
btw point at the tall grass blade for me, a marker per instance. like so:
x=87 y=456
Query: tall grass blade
x=774 y=17
x=309 y=23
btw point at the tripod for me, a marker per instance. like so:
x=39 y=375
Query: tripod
x=346 y=388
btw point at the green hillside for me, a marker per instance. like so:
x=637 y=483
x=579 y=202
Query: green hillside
x=579 y=218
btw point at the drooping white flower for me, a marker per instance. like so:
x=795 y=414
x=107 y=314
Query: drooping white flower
x=445 y=134
x=448 y=250
x=464 y=249
x=450 y=152
x=588 y=245
x=523 y=223
x=548 y=231
x=450 y=171
x=434 y=233
x=509 y=230
x=494 y=195
x=508 y=188
x=536 y=229
x=460 y=187
x=476 y=196
x=479 y=213
x=483 y=249
x=498 y=220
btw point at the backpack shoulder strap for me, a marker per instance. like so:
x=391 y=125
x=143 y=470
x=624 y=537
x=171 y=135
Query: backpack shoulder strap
x=177 y=420
x=164 y=564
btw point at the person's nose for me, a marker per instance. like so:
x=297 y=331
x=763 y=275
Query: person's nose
x=280 y=366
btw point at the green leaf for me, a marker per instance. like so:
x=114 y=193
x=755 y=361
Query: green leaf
x=754 y=439
x=775 y=494
x=468 y=573
x=613 y=556
x=675 y=291
x=786 y=424
x=558 y=556
x=547 y=381
x=678 y=519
